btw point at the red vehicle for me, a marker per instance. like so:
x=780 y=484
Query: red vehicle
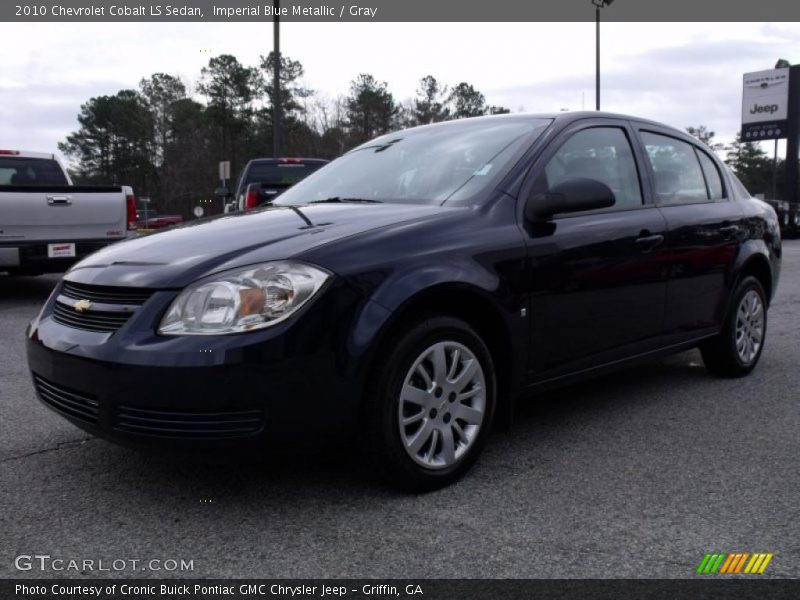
x=148 y=219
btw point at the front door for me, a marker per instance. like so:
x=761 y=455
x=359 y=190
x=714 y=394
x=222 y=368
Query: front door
x=597 y=281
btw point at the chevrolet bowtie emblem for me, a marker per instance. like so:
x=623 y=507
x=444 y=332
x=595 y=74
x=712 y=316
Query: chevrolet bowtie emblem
x=82 y=305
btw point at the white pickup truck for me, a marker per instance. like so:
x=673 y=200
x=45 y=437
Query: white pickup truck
x=46 y=223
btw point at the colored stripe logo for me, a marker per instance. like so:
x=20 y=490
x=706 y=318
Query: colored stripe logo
x=734 y=563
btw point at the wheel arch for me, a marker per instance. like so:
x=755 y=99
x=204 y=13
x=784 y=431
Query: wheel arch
x=756 y=263
x=475 y=307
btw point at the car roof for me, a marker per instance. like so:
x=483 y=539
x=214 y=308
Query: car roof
x=569 y=116
x=563 y=118
x=592 y=114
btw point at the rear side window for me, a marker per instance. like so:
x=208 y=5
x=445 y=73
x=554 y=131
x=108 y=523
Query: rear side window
x=678 y=176
x=600 y=153
x=713 y=178
x=30 y=171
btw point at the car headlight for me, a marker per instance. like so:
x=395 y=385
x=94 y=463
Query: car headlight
x=243 y=299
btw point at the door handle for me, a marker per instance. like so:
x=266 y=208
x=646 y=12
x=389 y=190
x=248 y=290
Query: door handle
x=647 y=242
x=58 y=200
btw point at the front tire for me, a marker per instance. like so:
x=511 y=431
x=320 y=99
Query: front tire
x=736 y=350
x=431 y=404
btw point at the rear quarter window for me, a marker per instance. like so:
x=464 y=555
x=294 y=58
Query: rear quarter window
x=712 y=175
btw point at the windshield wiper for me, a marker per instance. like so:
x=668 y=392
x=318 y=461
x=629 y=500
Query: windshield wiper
x=340 y=199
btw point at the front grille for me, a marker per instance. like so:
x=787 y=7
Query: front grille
x=189 y=424
x=106 y=294
x=78 y=405
x=89 y=320
x=110 y=307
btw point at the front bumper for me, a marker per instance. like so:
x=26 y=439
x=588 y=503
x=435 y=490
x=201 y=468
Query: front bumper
x=288 y=387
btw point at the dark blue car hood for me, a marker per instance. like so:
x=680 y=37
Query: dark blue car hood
x=176 y=257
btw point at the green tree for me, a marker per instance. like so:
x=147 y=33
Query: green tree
x=113 y=142
x=430 y=105
x=466 y=101
x=702 y=133
x=161 y=92
x=293 y=92
x=231 y=89
x=371 y=109
x=754 y=167
x=189 y=171
x=297 y=132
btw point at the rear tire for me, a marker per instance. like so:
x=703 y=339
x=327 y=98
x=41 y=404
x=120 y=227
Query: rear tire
x=431 y=404
x=736 y=350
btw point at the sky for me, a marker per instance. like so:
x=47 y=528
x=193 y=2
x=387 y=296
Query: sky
x=678 y=73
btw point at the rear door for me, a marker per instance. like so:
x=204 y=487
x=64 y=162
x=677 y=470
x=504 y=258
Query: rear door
x=596 y=281
x=704 y=226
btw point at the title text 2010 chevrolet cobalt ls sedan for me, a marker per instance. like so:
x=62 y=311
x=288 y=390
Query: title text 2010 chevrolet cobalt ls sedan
x=407 y=292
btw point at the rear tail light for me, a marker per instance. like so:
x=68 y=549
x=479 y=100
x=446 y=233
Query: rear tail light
x=130 y=200
x=251 y=200
x=10 y=152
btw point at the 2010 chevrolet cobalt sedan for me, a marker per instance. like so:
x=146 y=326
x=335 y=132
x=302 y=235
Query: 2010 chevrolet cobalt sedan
x=410 y=290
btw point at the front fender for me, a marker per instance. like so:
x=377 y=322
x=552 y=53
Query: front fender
x=398 y=290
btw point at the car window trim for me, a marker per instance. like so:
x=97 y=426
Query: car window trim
x=555 y=144
x=692 y=144
x=725 y=195
x=702 y=172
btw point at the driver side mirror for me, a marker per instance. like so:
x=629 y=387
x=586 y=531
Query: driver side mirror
x=571 y=195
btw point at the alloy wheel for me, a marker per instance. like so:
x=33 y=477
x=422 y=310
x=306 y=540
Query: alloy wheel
x=749 y=327
x=442 y=405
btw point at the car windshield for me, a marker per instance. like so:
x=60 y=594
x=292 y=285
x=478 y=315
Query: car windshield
x=427 y=165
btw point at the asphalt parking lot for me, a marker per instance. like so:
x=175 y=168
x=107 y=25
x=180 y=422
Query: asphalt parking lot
x=638 y=474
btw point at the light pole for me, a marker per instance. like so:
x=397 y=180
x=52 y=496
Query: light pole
x=276 y=81
x=598 y=4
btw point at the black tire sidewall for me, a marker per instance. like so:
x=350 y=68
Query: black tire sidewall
x=396 y=363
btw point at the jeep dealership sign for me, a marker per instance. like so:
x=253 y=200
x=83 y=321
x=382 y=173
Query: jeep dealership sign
x=765 y=102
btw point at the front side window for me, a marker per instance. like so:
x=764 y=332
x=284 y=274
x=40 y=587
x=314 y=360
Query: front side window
x=600 y=153
x=678 y=175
